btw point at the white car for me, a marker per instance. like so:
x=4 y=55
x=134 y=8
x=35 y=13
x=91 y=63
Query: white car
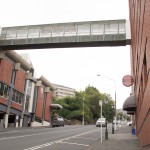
x=101 y=121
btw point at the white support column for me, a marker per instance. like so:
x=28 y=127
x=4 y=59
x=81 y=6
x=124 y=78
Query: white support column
x=6 y=120
x=17 y=123
x=21 y=122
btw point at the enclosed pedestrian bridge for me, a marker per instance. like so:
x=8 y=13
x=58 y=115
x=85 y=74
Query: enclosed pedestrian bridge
x=62 y=35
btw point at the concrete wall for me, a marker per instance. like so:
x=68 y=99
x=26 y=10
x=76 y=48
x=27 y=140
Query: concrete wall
x=37 y=124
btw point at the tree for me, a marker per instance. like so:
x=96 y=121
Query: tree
x=73 y=106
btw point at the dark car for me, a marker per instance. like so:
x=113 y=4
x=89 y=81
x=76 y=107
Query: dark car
x=57 y=122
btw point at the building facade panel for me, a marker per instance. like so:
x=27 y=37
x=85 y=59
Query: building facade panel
x=16 y=106
x=3 y=100
x=20 y=80
x=39 y=103
x=47 y=106
x=5 y=71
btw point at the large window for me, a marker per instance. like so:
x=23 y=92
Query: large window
x=17 y=97
x=27 y=102
x=4 y=90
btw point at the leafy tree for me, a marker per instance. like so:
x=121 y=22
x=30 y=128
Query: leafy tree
x=73 y=106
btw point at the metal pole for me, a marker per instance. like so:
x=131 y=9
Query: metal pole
x=100 y=103
x=115 y=109
x=83 y=114
x=101 y=124
x=112 y=120
x=106 y=131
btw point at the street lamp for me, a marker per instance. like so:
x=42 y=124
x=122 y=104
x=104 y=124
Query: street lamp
x=106 y=131
x=83 y=114
x=115 y=97
x=100 y=104
x=112 y=119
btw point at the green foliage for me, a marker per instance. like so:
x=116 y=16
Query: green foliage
x=73 y=106
x=122 y=116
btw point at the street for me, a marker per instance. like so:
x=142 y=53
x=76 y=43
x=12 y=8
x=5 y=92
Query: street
x=74 y=137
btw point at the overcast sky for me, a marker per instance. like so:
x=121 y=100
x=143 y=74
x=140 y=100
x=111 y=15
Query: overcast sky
x=77 y=67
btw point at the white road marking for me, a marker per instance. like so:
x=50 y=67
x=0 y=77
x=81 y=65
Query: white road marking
x=28 y=135
x=74 y=143
x=59 y=141
x=87 y=138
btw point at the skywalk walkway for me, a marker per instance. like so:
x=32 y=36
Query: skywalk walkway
x=62 y=35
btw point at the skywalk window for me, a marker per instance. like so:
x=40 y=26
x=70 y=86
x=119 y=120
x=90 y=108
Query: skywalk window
x=97 y=29
x=46 y=31
x=70 y=30
x=111 y=28
x=57 y=31
x=11 y=34
x=122 y=28
x=22 y=33
x=33 y=33
x=84 y=29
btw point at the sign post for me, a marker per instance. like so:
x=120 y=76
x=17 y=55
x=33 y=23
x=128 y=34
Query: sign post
x=100 y=104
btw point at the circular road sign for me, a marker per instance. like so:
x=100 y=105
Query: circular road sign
x=127 y=80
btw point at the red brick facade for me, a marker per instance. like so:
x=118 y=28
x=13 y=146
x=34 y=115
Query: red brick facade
x=47 y=106
x=40 y=103
x=6 y=71
x=16 y=106
x=3 y=100
x=140 y=59
x=20 y=80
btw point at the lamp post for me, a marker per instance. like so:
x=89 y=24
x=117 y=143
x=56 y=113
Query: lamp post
x=113 y=119
x=100 y=104
x=115 y=97
x=83 y=114
x=106 y=131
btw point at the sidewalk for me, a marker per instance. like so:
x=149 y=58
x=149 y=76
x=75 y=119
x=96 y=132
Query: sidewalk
x=121 y=140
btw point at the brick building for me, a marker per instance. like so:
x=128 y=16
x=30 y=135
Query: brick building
x=23 y=99
x=13 y=73
x=140 y=64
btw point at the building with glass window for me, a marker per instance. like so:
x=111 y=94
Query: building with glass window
x=13 y=89
x=61 y=91
x=24 y=100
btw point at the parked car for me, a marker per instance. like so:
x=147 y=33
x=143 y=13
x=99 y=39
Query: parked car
x=129 y=123
x=117 y=122
x=57 y=122
x=101 y=121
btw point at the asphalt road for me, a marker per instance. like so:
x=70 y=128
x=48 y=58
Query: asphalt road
x=59 y=138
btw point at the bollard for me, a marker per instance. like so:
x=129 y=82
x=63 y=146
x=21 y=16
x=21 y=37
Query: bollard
x=112 y=128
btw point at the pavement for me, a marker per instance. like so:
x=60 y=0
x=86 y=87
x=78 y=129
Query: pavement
x=121 y=140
